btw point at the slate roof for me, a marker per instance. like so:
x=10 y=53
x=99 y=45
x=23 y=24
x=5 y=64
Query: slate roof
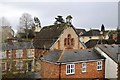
x=93 y=42
x=48 y=36
x=92 y=32
x=80 y=30
x=111 y=50
x=16 y=45
x=72 y=56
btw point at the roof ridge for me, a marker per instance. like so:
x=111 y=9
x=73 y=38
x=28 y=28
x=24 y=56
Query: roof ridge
x=61 y=56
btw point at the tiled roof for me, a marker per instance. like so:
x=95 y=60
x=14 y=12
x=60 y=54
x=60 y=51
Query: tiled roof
x=93 y=42
x=72 y=56
x=92 y=32
x=80 y=30
x=111 y=50
x=16 y=45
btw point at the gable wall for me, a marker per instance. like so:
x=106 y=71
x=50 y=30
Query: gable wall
x=64 y=35
x=110 y=65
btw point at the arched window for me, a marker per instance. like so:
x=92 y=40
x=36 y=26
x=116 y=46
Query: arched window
x=65 y=41
x=72 y=42
x=69 y=39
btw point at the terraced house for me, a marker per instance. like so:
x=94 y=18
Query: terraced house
x=17 y=57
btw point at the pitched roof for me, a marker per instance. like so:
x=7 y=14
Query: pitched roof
x=80 y=30
x=93 y=42
x=92 y=32
x=16 y=45
x=48 y=35
x=72 y=56
x=111 y=50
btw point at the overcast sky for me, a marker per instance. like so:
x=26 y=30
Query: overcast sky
x=86 y=14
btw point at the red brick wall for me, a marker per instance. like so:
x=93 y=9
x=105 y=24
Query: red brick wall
x=49 y=70
x=91 y=71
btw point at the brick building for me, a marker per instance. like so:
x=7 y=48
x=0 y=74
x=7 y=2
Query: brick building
x=112 y=55
x=73 y=64
x=58 y=36
x=17 y=57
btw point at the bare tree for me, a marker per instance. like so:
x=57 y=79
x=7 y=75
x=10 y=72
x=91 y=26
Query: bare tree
x=26 y=22
x=4 y=22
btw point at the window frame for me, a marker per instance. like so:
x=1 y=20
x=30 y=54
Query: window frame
x=19 y=65
x=30 y=53
x=5 y=66
x=69 y=39
x=19 y=54
x=99 y=65
x=71 y=69
x=83 y=67
x=3 y=54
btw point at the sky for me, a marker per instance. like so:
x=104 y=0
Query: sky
x=86 y=13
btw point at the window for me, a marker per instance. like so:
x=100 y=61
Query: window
x=69 y=39
x=65 y=41
x=70 y=69
x=83 y=67
x=99 y=65
x=3 y=66
x=2 y=54
x=9 y=54
x=29 y=53
x=72 y=41
x=19 y=65
x=19 y=53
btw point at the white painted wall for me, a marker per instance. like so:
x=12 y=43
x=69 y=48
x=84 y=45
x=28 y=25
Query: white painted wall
x=110 y=65
x=87 y=38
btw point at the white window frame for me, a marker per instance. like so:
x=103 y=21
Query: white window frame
x=5 y=66
x=30 y=53
x=3 y=54
x=71 y=70
x=99 y=65
x=18 y=54
x=83 y=67
x=18 y=66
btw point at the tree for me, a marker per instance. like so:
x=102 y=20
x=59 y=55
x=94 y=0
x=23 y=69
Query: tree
x=26 y=22
x=102 y=28
x=4 y=22
x=59 y=20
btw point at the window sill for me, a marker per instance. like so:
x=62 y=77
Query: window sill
x=70 y=74
x=99 y=69
x=83 y=72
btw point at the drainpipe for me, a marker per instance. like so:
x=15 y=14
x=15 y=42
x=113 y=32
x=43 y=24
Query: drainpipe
x=59 y=70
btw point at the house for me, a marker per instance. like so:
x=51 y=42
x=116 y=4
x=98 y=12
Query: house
x=94 y=34
x=17 y=57
x=91 y=34
x=93 y=42
x=85 y=63
x=58 y=36
x=6 y=33
x=80 y=31
x=111 y=53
